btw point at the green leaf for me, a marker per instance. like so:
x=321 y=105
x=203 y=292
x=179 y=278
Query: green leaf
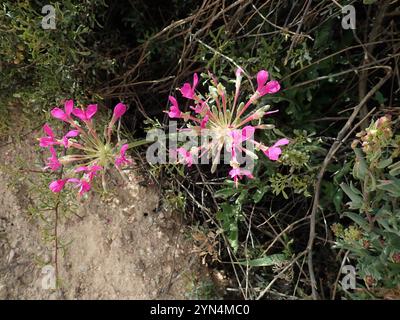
x=228 y=217
x=394 y=169
x=360 y=168
x=384 y=163
x=259 y=194
x=379 y=97
x=360 y=221
x=264 y=261
x=356 y=199
x=391 y=186
x=225 y=193
x=337 y=200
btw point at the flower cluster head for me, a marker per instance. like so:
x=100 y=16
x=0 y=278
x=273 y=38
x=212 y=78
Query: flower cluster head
x=83 y=153
x=228 y=122
x=375 y=139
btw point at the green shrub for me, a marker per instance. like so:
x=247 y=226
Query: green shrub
x=373 y=239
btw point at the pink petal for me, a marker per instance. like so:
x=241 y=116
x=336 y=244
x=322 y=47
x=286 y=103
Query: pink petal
x=119 y=110
x=124 y=147
x=195 y=81
x=173 y=101
x=186 y=91
x=272 y=87
x=174 y=111
x=57 y=185
x=82 y=168
x=204 y=121
x=238 y=72
x=238 y=172
x=68 y=107
x=91 y=111
x=236 y=136
x=74 y=180
x=262 y=77
x=72 y=133
x=186 y=155
x=48 y=130
x=46 y=142
x=53 y=152
x=95 y=168
x=85 y=187
x=248 y=132
x=234 y=172
x=79 y=113
x=273 y=153
x=281 y=142
x=58 y=114
x=247 y=173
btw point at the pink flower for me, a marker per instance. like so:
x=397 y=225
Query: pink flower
x=238 y=173
x=187 y=90
x=204 y=121
x=239 y=136
x=121 y=160
x=52 y=162
x=119 y=111
x=185 y=156
x=274 y=152
x=86 y=115
x=200 y=107
x=83 y=185
x=57 y=185
x=70 y=134
x=91 y=171
x=63 y=115
x=49 y=140
x=174 y=111
x=265 y=87
x=248 y=132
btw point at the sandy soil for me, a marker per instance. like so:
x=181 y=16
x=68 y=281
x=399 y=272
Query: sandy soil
x=125 y=248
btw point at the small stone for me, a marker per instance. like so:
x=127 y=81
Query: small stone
x=10 y=255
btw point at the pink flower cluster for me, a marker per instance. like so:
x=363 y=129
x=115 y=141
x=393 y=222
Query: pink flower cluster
x=227 y=121
x=93 y=154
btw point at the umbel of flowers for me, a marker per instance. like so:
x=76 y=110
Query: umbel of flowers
x=227 y=120
x=83 y=153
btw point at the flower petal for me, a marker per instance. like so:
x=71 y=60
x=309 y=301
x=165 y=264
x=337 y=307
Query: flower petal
x=272 y=87
x=195 y=81
x=57 y=185
x=72 y=133
x=273 y=153
x=124 y=147
x=262 y=77
x=91 y=111
x=58 y=114
x=204 y=121
x=119 y=111
x=68 y=107
x=281 y=142
x=79 y=113
x=47 y=130
x=248 y=132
